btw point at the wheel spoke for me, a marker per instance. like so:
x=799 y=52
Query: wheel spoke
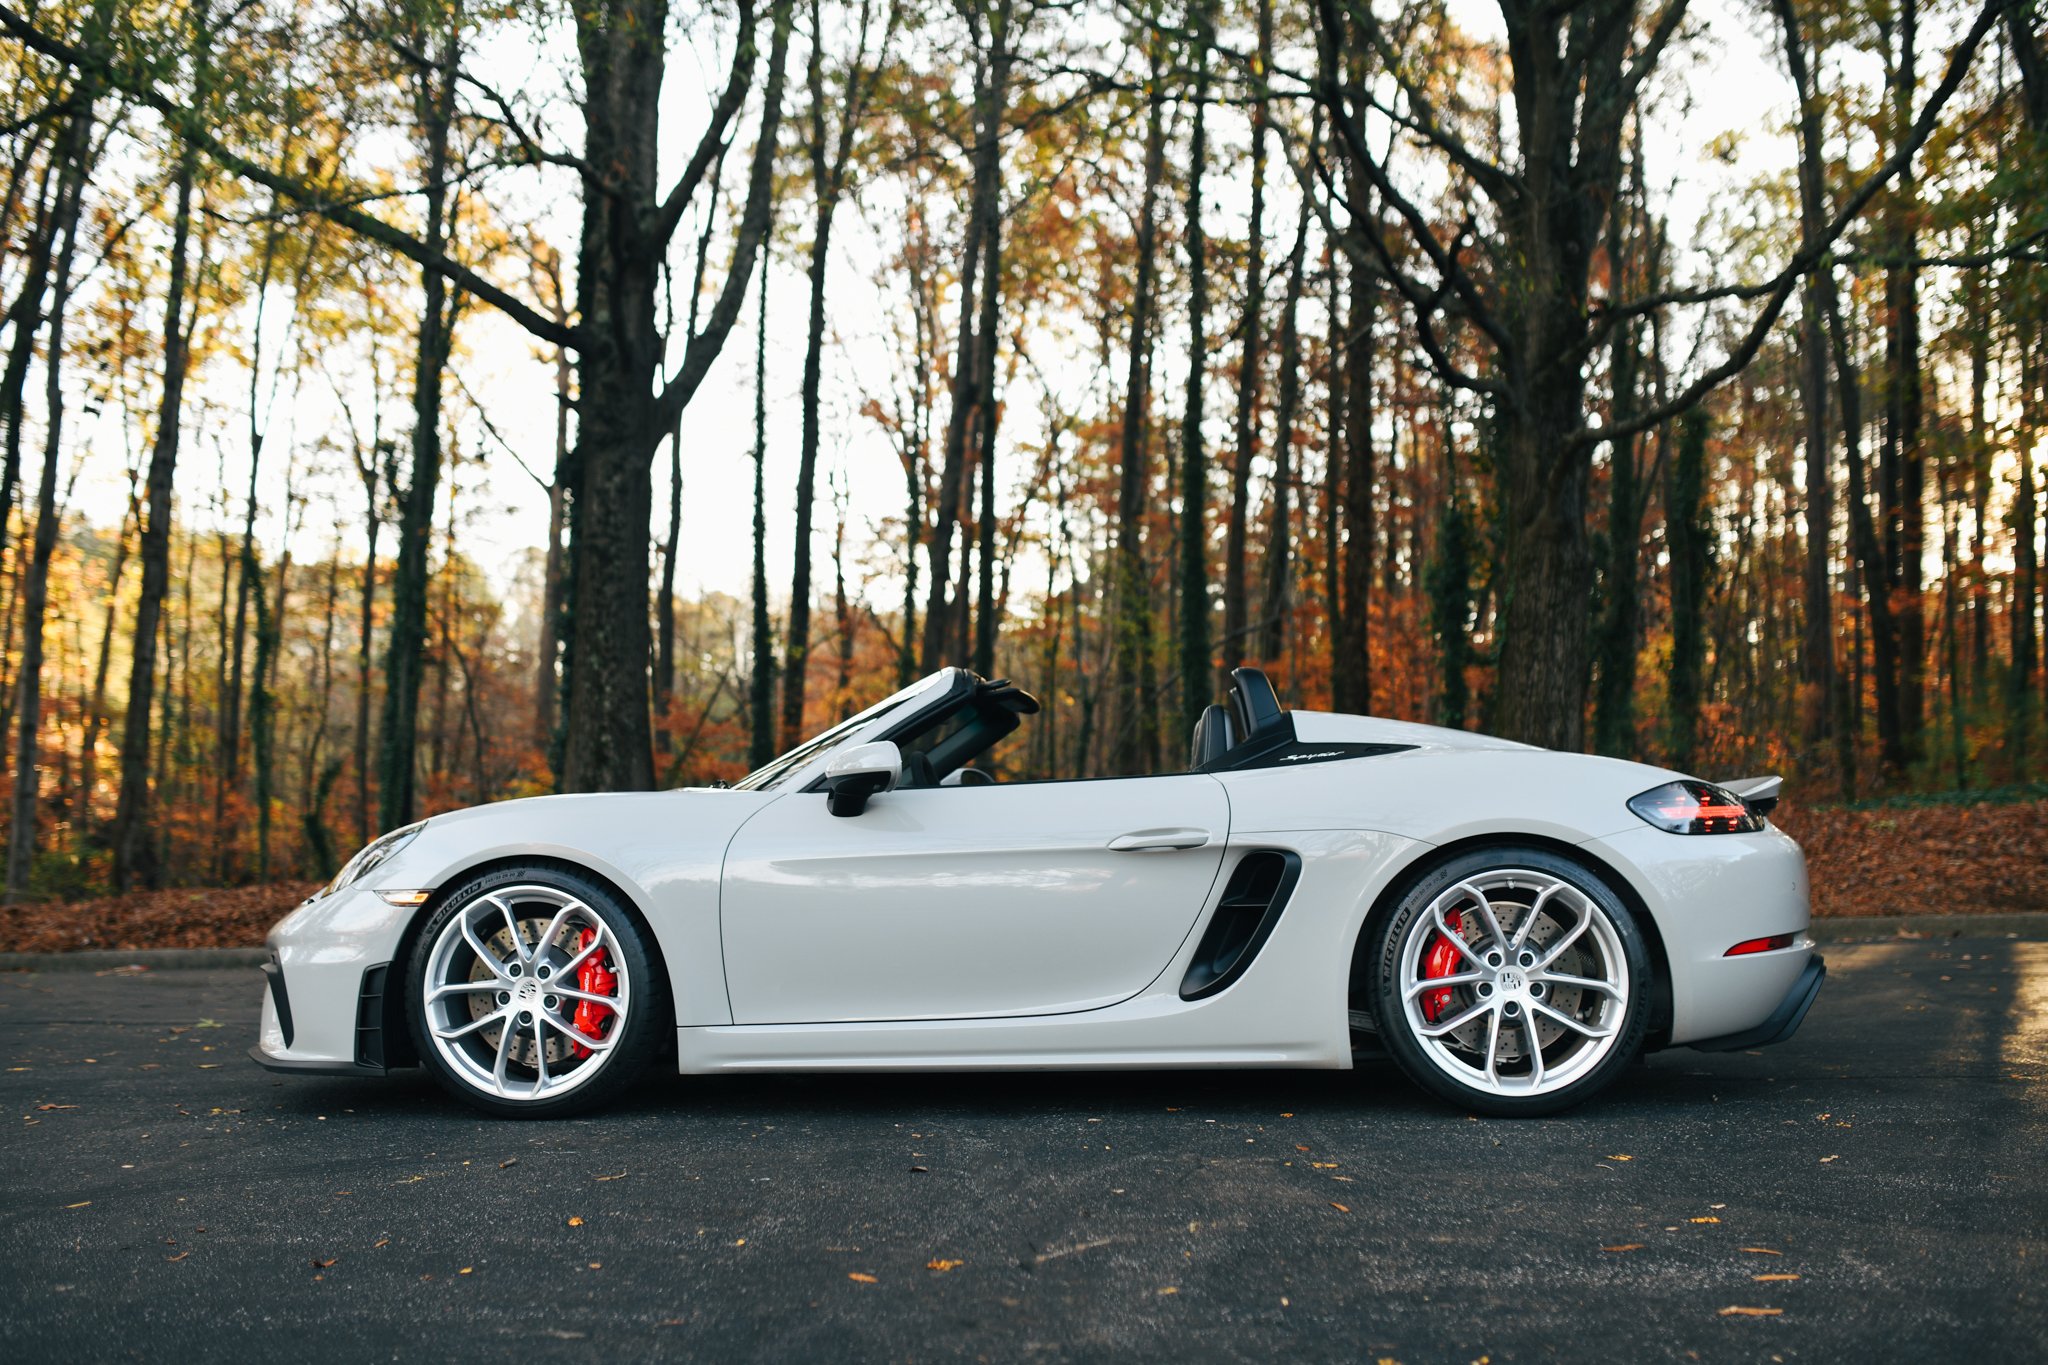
x=1486 y=913
x=1455 y=937
x=1559 y=948
x=1529 y=919
x=582 y=955
x=462 y=988
x=480 y=948
x=555 y=924
x=1584 y=983
x=1493 y=1049
x=511 y=923
x=1430 y=983
x=464 y=1030
x=504 y=1056
x=611 y=1002
x=1576 y=1025
x=540 y=1055
x=1535 y=1050
x=595 y=1042
x=1452 y=1025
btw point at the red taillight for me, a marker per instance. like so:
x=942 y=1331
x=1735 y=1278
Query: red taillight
x=1689 y=807
x=1760 y=945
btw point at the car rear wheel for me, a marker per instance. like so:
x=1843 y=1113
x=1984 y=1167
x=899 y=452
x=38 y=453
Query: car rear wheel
x=1511 y=981
x=533 y=993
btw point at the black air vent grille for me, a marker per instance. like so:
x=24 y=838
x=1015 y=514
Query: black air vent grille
x=1252 y=901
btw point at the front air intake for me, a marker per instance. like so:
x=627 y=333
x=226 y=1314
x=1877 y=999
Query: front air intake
x=1252 y=901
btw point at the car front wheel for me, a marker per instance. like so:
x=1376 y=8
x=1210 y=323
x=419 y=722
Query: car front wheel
x=1511 y=981
x=533 y=994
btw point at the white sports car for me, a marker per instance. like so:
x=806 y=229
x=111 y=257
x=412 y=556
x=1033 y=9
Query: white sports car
x=1512 y=925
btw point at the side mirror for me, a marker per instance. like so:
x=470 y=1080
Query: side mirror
x=861 y=772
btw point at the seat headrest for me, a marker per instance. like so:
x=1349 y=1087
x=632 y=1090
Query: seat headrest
x=1214 y=736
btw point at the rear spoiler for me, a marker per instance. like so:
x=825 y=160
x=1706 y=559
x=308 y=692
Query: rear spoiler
x=1760 y=794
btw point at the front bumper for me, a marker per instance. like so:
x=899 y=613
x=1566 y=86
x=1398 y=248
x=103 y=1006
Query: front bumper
x=1784 y=1021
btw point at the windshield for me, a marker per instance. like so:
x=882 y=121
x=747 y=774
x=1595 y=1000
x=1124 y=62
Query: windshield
x=770 y=775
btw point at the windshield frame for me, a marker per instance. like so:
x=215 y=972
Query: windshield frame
x=777 y=771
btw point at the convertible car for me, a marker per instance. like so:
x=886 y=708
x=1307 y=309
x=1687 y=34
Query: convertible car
x=1511 y=925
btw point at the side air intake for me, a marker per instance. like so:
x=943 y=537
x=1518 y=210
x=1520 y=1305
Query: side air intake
x=1252 y=901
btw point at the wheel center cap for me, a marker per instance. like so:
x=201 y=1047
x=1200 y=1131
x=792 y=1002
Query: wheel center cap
x=1511 y=980
x=528 y=989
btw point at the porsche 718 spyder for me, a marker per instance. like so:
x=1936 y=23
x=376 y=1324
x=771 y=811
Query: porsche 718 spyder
x=1512 y=925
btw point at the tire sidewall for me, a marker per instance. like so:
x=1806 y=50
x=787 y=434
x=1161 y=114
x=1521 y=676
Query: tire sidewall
x=630 y=1052
x=1390 y=930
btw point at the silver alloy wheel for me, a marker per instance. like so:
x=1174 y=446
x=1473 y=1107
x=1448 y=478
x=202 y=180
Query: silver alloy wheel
x=501 y=991
x=1537 y=987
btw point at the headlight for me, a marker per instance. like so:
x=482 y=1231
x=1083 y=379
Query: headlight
x=374 y=855
x=1696 y=808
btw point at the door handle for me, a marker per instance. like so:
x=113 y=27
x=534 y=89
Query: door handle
x=1158 y=840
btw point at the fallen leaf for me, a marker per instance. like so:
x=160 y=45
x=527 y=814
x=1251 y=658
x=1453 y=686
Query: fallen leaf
x=179 y=1257
x=1323 y=1165
x=79 y=1205
x=1625 y=1246
x=858 y=1278
x=1299 y=1148
x=1708 y=1219
x=1169 y=1290
x=319 y=1264
x=1341 y=1208
x=597 y=1265
x=1762 y=1251
x=1826 y=1159
x=920 y=1170
x=465 y=1270
x=508 y=1161
x=620 y=1176
x=1772 y=1279
x=1621 y=1158
x=382 y=1242
x=1736 y=1310
x=575 y=1220
x=46 y=1108
x=943 y=1266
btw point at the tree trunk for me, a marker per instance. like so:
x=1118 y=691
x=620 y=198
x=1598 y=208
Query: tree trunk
x=607 y=744
x=1137 y=727
x=405 y=659
x=1351 y=639
x=1196 y=665
x=1906 y=484
x=1280 y=518
x=760 y=699
x=74 y=149
x=1237 y=628
x=134 y=837
x=665 y=598
x=1691 y=540
x=943 y=643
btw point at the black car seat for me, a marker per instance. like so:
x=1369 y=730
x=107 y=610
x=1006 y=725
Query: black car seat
x=1214 y=737
x=1255 y=704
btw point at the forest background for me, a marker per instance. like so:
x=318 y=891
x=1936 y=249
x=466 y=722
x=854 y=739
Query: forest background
x=414 y=403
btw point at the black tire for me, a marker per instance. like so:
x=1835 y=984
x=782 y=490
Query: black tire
x=642 y=1036
x=1431 y=1064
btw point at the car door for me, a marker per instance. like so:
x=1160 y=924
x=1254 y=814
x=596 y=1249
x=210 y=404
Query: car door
x=962 y=902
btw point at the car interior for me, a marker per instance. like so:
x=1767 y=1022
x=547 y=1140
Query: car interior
x=960 y=743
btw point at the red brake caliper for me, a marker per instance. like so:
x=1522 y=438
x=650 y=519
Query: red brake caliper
x=597 y=977
x=1440 y=960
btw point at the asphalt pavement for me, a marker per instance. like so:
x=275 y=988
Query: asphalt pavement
x=1875 y=1189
